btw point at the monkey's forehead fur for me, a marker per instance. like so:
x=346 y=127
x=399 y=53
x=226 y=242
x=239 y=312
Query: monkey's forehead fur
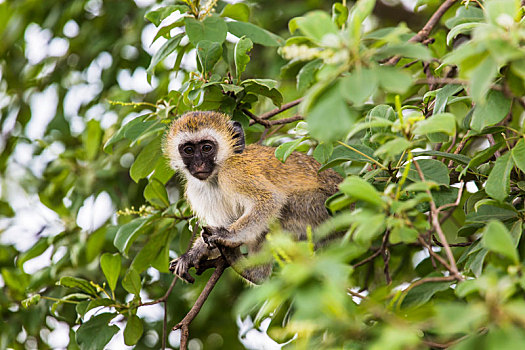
x=196 y=126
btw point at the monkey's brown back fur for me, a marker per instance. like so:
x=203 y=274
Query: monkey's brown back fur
x=305 y=189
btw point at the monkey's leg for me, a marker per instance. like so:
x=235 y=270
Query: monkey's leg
x=238 y=261
x=197 y=253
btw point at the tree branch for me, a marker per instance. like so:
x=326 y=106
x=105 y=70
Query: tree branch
x=434 y=214
x=367 y=260
x=183 y=325
x=262 y=119
x=281 y=109
x=425 y=31
x=386 y=257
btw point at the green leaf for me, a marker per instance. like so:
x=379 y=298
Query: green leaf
x=359 y=189
x=339 y=14
x=465 y=14
x=360 y=153
x=127 y=233
x=5 y=210
x=78 y=283
x=518 y=155
x=131 y=131
x=488 y=212
x=315 y=25
x=460 y=29
x=87 y=305
x=410 y=50
x=239 y=12
x=164 y=51
x=481 y=78
x=498 y=183
x=359 y=12
x=36 y=250
x=306 y=75
x=209 y=53
x=432 y=169
x=110 y=265
x=459 y=158
x=131 y=282
x=403 y=234
x=392 y=148
x=497 y=239
x=211 y=28
x=95 y=333
x=482 y=156
x=284 y=150
x=255 y=33
x=264 y=87
x=359 y=85
x=419 y=295
x=33 y=300
x=443 y=122
x=91 y=139
x=158 y=15
x=155 y=193
x=330 y=118
x=323 y=151
x=393 y=79
x=152 y=248
x=147 y=160
x=443 y=96
x=133 y=330
x=241 y=57
x=496 y=9
x=491 y=112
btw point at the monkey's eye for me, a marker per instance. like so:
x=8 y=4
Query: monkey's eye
x=188 y=150
x=207 y=148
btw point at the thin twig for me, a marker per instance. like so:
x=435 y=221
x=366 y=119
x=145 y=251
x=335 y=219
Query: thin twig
x=434 y=254
x=354 y=294
x=286 y=120
x=429 y=280
x=425 y=31
x=434 y=213
x=386 y=257
x=435 y=80
x=367 y=260
x=162 y=298
x=463 y=244
x=184 y=324
x=256 y=119
x=458 y=198
x=281 y=109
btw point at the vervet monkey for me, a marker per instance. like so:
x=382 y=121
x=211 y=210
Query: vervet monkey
x=237 y=190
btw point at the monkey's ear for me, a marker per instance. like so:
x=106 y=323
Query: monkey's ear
x=238 y=136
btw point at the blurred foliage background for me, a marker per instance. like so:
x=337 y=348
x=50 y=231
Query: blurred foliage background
x=430 y=143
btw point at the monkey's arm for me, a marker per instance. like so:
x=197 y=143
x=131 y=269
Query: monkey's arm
x=261 y=205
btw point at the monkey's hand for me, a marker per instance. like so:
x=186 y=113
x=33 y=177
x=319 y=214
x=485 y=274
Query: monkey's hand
x=181 y=266
x=218 y=236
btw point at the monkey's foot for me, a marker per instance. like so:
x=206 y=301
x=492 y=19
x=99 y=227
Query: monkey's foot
x=216 y=237
x=180 y=267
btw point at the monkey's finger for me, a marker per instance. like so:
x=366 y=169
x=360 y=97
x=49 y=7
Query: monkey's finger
x=173 y=265
x=187 y=277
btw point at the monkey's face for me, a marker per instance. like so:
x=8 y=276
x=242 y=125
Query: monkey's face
x=199 y=157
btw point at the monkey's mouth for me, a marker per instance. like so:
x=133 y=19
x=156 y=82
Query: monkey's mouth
x=202 y=175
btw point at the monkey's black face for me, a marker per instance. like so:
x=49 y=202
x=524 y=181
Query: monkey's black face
x=199 y=157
